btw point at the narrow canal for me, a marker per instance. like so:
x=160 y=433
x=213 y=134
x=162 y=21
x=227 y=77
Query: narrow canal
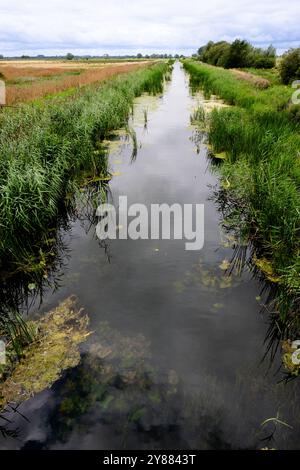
x=181 y=341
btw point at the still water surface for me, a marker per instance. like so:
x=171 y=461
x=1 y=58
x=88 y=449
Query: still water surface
x=184 y=342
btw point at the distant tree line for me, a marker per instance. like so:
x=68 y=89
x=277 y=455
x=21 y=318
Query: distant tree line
x=70 y=56
x=158 y=56
x=238 y=54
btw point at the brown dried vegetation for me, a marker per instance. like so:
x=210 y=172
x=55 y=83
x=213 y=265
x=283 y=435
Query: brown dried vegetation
x=255 y=80
x=34 y=81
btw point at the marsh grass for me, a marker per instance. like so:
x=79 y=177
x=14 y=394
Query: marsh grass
x=261 y=143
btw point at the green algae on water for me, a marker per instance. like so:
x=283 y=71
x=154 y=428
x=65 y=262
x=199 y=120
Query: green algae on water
x=56 y=349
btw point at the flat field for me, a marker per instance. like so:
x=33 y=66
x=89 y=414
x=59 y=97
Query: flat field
x=28 y=80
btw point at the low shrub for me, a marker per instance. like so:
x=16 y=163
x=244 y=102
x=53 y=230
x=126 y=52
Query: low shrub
x=289 y=67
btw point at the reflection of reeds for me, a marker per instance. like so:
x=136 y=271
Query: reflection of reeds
x=198 y=116
x=132 y=134
x=17 y=332
x=145 y=113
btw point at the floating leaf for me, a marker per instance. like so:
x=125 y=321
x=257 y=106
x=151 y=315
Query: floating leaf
x=266 y=267
x=106 y=402
x=221 y=156
x=97 y=178
x=154 y=396
x=218 y=306
x=136 y=415
x=179 y=286
x=225 y=184
x=224 y=265
x=226 y=282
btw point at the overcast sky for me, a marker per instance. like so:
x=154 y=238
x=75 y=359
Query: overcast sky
x=130 y=26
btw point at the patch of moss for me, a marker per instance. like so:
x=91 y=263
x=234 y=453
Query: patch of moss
x=56 y=349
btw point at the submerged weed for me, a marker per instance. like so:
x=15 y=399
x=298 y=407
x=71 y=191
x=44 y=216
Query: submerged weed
x=55 y=349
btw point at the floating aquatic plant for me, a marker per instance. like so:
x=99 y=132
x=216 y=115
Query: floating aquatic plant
x=266 y=267
x=54 y=350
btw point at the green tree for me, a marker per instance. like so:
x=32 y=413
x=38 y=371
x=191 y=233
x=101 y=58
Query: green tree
x=262 y=58
x=239 y=54
x=218 y=53
x=204 y=49
x=69 y=56
x=271 y=51
x=289 y=68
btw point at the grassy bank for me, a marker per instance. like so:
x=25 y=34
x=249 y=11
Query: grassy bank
x=259 y=141
x=45 y=147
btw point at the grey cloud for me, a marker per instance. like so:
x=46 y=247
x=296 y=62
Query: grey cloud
x=130 y=26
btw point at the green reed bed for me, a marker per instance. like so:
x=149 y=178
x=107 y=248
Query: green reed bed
x=234 y=90
x=46 y=146
x=260 y=146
